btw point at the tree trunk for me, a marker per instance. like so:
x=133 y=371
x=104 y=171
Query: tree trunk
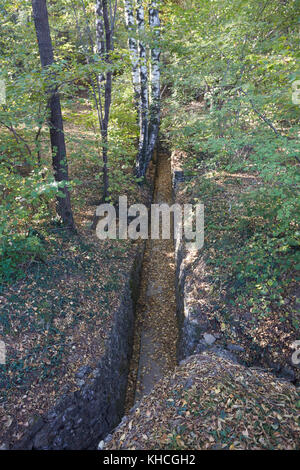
x=108 y=32
x=57 y=138
x=154 y=23
x=144 y=101
x=133 y=49
x=100 y=46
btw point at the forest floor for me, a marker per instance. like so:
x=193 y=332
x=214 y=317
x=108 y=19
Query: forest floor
x=236 y=393
x=216 y=300
x=209 y=402
x=56 y=319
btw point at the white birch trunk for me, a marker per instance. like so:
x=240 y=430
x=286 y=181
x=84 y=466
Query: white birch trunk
x=133 y=49
x=100 y=44
x=144 y=100
x=154 y=23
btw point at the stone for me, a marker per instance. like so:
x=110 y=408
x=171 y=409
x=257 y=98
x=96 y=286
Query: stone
x=96 y=373
x=40 y=440
x=201 y=347
x=287 y=373
x=275 y=367
x=100 y=445
x=209 y=339
x=235 y=347
x=178 y=177
x=82 y=371
x=80 y=383
x=225 y=354
x=189 y=383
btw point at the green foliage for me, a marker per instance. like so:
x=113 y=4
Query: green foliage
x=16 y=252
x=25 y=204
x=27 y=186
x=230 y=69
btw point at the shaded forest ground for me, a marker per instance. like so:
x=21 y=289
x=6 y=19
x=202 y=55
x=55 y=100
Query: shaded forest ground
x=213 y=399
x=242 y=287
x=55 y=320
x=211 y=403
x=231 y=119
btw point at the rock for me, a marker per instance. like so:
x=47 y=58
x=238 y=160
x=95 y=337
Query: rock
x=178 y=177
x=80 y=383
x=100 y=445
x=82 y=371
x=235 y=347
x=108 y=438
x=248 y=316
x=225 y=354
x=201 y=347
x=287 y=373
x=209 y=339
x=275 y=367
x=40 y=440
x=96 y=373
x=189 y=383
x=36 y=423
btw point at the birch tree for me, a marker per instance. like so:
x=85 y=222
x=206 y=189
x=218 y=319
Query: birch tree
x=133 y=49
x=100 y=46
x=57 y=138
x=154 y=23
x=105 y=23
x=144 y=100
x=149 y=115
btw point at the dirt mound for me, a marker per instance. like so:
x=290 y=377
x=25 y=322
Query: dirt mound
x=210 y=402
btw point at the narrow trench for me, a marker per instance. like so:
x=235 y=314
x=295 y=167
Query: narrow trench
x=156 y=330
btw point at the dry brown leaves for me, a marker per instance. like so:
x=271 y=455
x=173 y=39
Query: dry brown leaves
x=212 y=403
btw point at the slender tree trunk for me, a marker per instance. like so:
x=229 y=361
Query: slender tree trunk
x=133 y=49
x=144 y=101
x=57 y=138
x=154 y=23
x=107 y=94
x=105 y=22
x=100 y=45
x=101 y=9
